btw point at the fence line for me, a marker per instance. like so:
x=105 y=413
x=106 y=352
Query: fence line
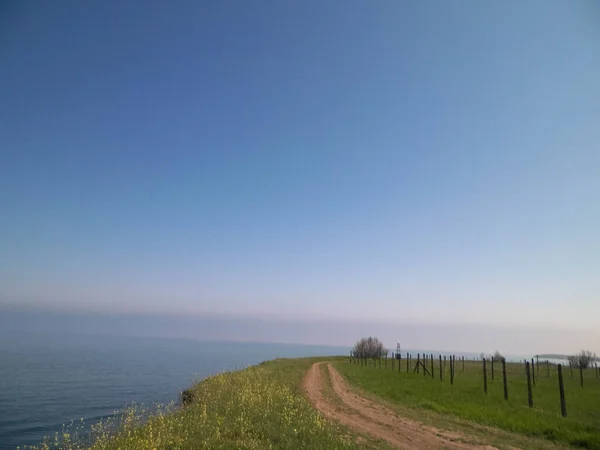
x=426 y=363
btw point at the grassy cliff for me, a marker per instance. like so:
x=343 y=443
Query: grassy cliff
x=265 y=407
x=262 y=407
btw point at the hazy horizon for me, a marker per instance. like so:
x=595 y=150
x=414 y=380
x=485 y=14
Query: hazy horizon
x=464 y=338
x=430 y=165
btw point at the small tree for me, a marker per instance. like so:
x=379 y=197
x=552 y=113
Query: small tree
x=498 y=356
x=583 y=359
x=370 y=347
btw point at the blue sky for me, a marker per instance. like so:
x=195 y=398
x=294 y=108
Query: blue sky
x=418 y=162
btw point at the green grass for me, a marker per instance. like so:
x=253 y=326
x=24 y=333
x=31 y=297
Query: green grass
x=466 y=399
x=262 y=407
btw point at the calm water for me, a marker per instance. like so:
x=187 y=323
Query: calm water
x=48 y=380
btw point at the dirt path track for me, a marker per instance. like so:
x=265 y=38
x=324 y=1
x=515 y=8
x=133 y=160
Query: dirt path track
x=368 y=417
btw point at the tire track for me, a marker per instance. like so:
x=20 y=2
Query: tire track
x=375 y=420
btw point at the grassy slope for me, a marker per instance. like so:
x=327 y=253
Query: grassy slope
x=432 y=400
x=262 y=407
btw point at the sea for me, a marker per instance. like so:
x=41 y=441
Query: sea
x=47 y=380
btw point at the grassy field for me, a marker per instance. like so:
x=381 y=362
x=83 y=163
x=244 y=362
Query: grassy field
x=262 y=407
x=466 y=399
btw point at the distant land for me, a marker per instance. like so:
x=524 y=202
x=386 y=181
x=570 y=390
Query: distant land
x=558 y=356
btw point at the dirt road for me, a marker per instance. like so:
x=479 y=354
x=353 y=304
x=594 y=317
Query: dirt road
x=377 y=421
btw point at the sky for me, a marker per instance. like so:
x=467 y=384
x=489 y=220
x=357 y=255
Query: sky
x=414 y=163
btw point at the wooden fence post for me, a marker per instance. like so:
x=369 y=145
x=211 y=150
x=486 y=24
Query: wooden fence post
x=532 y=371
x=444 y=363
x=432 y=372
x=407 y=362
x=529 y=392
x=561 y=389
x=571 y=368
x=441 y=371
x=484 y=376
x=547 y=368
x=504 y=378
x=492 y=367
x=463 y=361
x=581 y=373
x=399 y=361
x=597 y=373
x=451 y=371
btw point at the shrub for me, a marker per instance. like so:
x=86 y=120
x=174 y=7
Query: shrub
x=187 y=397
x=583 y=359
x=370 y=347
x=498 y=356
